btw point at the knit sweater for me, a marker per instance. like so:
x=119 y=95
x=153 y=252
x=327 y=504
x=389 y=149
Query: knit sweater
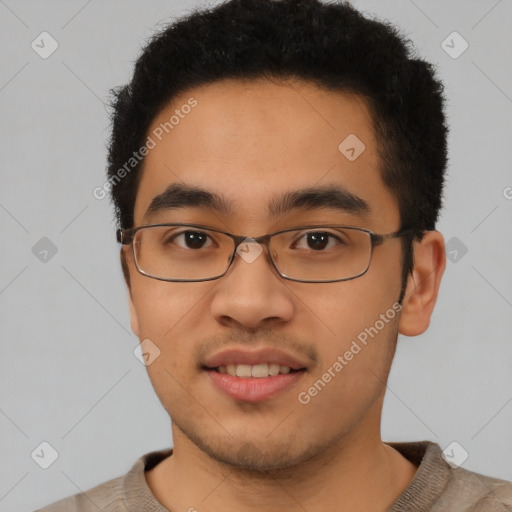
x=436 y=487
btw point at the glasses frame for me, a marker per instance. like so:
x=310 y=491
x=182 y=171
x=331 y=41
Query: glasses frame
x=127 y=236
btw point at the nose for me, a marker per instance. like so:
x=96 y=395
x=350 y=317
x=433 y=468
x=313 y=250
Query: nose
x=252 y=294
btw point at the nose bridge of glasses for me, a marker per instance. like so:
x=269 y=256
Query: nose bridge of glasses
x=249 y=248
x=242 y=239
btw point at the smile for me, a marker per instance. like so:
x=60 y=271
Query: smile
x=258 y=371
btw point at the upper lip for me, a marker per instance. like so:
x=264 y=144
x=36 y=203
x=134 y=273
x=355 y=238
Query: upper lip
x=244 y=356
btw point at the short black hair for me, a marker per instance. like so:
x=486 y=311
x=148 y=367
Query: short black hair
x=332 y=45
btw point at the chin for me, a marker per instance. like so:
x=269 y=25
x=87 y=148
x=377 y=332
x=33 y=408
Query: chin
x=264 y=457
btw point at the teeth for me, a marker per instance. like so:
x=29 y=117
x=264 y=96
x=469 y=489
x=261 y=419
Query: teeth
x=243 y=370
x=273 y=369
x=258 y=371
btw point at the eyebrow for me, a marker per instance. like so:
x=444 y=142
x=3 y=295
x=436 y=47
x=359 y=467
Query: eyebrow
x=182 y=196
x=332 y=196
x=328 y=196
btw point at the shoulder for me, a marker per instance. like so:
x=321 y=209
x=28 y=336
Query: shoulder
x=106 y=497
x=480 y=493
x=121 y=494
x=442 y=486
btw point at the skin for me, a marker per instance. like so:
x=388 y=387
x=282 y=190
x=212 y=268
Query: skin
x=251 y=141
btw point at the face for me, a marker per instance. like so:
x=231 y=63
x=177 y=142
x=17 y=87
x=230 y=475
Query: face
x=251 y=143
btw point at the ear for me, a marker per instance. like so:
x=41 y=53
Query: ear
x=134 y=319
x=423 y=284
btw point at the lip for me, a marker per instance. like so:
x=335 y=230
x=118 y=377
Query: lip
x=239 y=356
x=250 y=389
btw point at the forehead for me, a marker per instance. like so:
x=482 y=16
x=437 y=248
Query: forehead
x=253 y=141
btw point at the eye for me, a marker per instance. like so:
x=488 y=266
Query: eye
x=317 y=241
x=191 y=240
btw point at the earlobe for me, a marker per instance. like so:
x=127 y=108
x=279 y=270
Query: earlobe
x=423 y=284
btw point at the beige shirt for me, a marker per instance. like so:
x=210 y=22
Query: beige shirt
x=436 y=487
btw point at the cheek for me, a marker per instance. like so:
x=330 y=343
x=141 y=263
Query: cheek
x=170 y=315
x=163 y=307
x=338 y=312
x=355 y=362
x=354 y=326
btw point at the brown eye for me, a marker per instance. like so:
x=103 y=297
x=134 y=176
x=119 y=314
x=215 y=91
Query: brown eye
x=192 y=239
x=317 y=241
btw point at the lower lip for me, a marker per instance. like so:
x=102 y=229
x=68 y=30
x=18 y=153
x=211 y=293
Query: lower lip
x=250 y=389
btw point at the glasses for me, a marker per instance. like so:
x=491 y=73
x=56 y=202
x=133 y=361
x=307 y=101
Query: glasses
x=308 y=254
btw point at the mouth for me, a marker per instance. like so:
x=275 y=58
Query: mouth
x=253 y=376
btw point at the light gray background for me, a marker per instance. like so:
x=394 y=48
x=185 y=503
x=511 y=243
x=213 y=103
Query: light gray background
x=68 y=375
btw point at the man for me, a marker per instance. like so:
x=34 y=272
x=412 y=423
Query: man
x=277 y=170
